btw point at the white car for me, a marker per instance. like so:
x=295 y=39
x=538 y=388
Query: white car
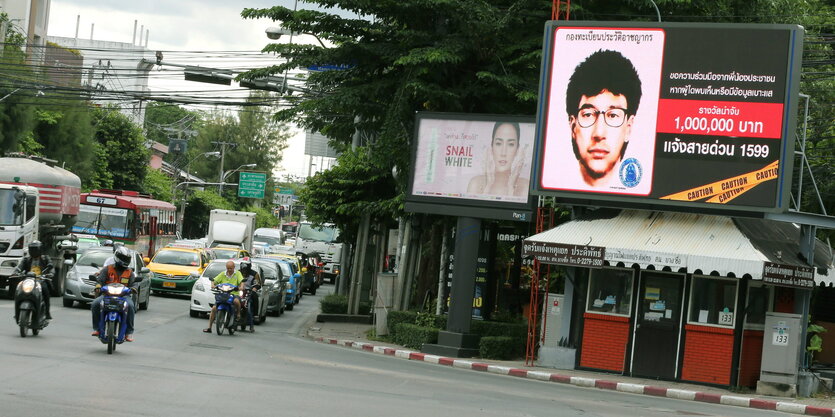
x=203 y=299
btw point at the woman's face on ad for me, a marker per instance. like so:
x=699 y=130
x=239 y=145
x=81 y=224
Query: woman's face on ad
x=505 y=145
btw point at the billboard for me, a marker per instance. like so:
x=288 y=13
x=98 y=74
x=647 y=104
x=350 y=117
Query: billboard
x=670 y=114
x=472 y=165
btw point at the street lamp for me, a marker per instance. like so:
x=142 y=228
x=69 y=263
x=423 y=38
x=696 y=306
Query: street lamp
x=230 y=172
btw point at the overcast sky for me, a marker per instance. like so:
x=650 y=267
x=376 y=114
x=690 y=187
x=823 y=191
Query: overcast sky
x=179 y=25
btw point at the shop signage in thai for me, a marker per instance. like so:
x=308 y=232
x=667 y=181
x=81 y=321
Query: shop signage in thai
x=562 y=254
x=788 y=275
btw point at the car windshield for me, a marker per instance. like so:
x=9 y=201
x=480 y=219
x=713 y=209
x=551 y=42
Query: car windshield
x=214 y=268
x=94 y=257
x=84 y=244
x=171 y=257
x=326 y=234
x=225 y=253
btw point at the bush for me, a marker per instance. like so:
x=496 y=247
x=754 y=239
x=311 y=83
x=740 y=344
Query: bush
x=414 y=336
x=334 y=304
x=396 y=317
x=517 y=332
x=364 y=308
x=498 y=347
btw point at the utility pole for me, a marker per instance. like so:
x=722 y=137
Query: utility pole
x=222 y=155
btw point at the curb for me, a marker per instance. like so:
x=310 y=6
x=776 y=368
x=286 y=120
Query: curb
x=732 y=400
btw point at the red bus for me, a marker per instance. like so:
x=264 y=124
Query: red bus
x=142 y=223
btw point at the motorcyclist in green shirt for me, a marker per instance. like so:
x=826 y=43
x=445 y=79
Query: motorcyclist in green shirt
x=230 y=276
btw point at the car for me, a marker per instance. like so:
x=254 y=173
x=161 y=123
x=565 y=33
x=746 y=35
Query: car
x=203 y=299
x=259 y=250
x=86 y=242
x=275 y=283
x=226 y=252
x=289 y=268
x=172 y=268
x=78 y=287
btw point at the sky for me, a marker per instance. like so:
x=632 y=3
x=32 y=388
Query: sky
x=190 y=32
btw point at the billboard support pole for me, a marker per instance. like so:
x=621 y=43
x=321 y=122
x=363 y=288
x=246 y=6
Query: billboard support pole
x=457 y=341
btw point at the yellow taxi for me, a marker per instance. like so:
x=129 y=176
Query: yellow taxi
x=229 y=252
x=172 y=268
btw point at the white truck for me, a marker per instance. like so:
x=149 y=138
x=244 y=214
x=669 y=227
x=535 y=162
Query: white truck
x=234 y=228
x=321 y=239
x=38 y=201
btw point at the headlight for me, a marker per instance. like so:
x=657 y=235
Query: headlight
x=199 y=287
x=27 y=285
x=114 y=289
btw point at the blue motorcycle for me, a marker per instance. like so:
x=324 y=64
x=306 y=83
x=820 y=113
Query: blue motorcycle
x=113 y=323
x=225 y=302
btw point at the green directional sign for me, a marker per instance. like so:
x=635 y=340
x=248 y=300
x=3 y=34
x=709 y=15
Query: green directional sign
x=251 y=184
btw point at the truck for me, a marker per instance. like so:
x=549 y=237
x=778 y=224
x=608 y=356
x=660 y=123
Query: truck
x=38 y=201
x=227 y=227
x=321 y=240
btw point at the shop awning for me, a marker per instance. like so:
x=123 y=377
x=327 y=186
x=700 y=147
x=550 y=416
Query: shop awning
x=695 y=243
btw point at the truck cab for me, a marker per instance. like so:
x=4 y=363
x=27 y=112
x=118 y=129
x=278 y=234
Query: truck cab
x=18 y=224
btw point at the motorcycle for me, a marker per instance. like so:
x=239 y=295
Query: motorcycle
x=113 y=322
x=246 y=303
x=30 y=304
x=224 y=300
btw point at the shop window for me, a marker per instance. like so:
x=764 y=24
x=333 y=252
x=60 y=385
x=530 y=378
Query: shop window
x=610 y=291
x=713 y=301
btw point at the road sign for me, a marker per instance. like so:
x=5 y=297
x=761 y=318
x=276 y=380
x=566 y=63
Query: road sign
x=282 y=199
x=288 y=191
x=251 y=184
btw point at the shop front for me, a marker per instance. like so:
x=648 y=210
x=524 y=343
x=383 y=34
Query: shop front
x=677 y=296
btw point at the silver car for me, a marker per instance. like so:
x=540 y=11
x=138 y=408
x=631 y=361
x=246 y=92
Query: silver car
x=78 y=287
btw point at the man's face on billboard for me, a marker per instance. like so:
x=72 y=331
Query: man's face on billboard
x=600 y=143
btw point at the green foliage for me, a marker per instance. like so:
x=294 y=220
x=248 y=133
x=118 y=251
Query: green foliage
x=498 y=347
x=166 y=120
x=196 y=215
x=65 y=131
x=414 y=336
x=263 y=217
x=334 y=304
x=158 y=185
x=102 y=177
x=396 y=317
x=125 y=151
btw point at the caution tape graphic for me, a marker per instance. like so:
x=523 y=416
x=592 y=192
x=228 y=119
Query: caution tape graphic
x=726 y=190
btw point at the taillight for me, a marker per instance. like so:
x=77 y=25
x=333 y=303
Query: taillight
x=320 y=264
x=18 y=244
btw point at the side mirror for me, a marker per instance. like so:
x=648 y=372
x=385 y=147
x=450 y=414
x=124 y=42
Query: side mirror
x=297 y=275
x=68 y=262
x=94 y=265
x=144 y=271
x=194 y=275
x=205 y=264
x=304 y=270
x=146 y=259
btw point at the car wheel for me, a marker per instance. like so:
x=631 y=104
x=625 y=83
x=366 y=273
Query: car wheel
x=290 y=307
x=313 y=291
x=192 y=313
x=261 y=319
x=144 y=306
x=68 y=303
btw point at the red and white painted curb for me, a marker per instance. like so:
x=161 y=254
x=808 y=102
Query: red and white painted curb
x=734 y=400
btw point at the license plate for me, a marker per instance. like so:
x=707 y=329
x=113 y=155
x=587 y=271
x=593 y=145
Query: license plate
x=169 y=284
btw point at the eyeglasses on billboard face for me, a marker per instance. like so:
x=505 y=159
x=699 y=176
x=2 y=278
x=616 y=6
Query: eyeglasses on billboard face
x=587 y=117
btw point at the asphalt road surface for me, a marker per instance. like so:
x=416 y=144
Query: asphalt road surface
x=173 y=369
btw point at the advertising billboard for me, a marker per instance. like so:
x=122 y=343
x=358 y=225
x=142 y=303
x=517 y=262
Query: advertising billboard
x=472 y=165
x=670 y=114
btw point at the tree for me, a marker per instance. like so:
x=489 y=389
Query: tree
x=163 y=120
x=196 y=216
x=65 y=132
x=124 y=146
x=16 y=89
x=158 y=184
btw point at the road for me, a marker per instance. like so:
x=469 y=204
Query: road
x=174 y=369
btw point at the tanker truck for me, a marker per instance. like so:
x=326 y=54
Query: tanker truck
x=38 y=201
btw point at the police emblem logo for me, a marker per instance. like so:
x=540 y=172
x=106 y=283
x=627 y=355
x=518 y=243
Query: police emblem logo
x=630 y=172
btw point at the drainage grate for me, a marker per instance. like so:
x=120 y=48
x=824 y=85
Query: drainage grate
x=208 y=346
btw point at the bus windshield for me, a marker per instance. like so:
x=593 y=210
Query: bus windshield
x=104 y=221
x=325 y=234
x=8 y=216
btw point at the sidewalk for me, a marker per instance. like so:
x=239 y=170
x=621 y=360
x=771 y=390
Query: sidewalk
x=354 y=335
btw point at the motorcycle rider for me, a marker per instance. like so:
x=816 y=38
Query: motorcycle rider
x=35 y=262
x=121 y=273
x=252 y=282
x=229 y=276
